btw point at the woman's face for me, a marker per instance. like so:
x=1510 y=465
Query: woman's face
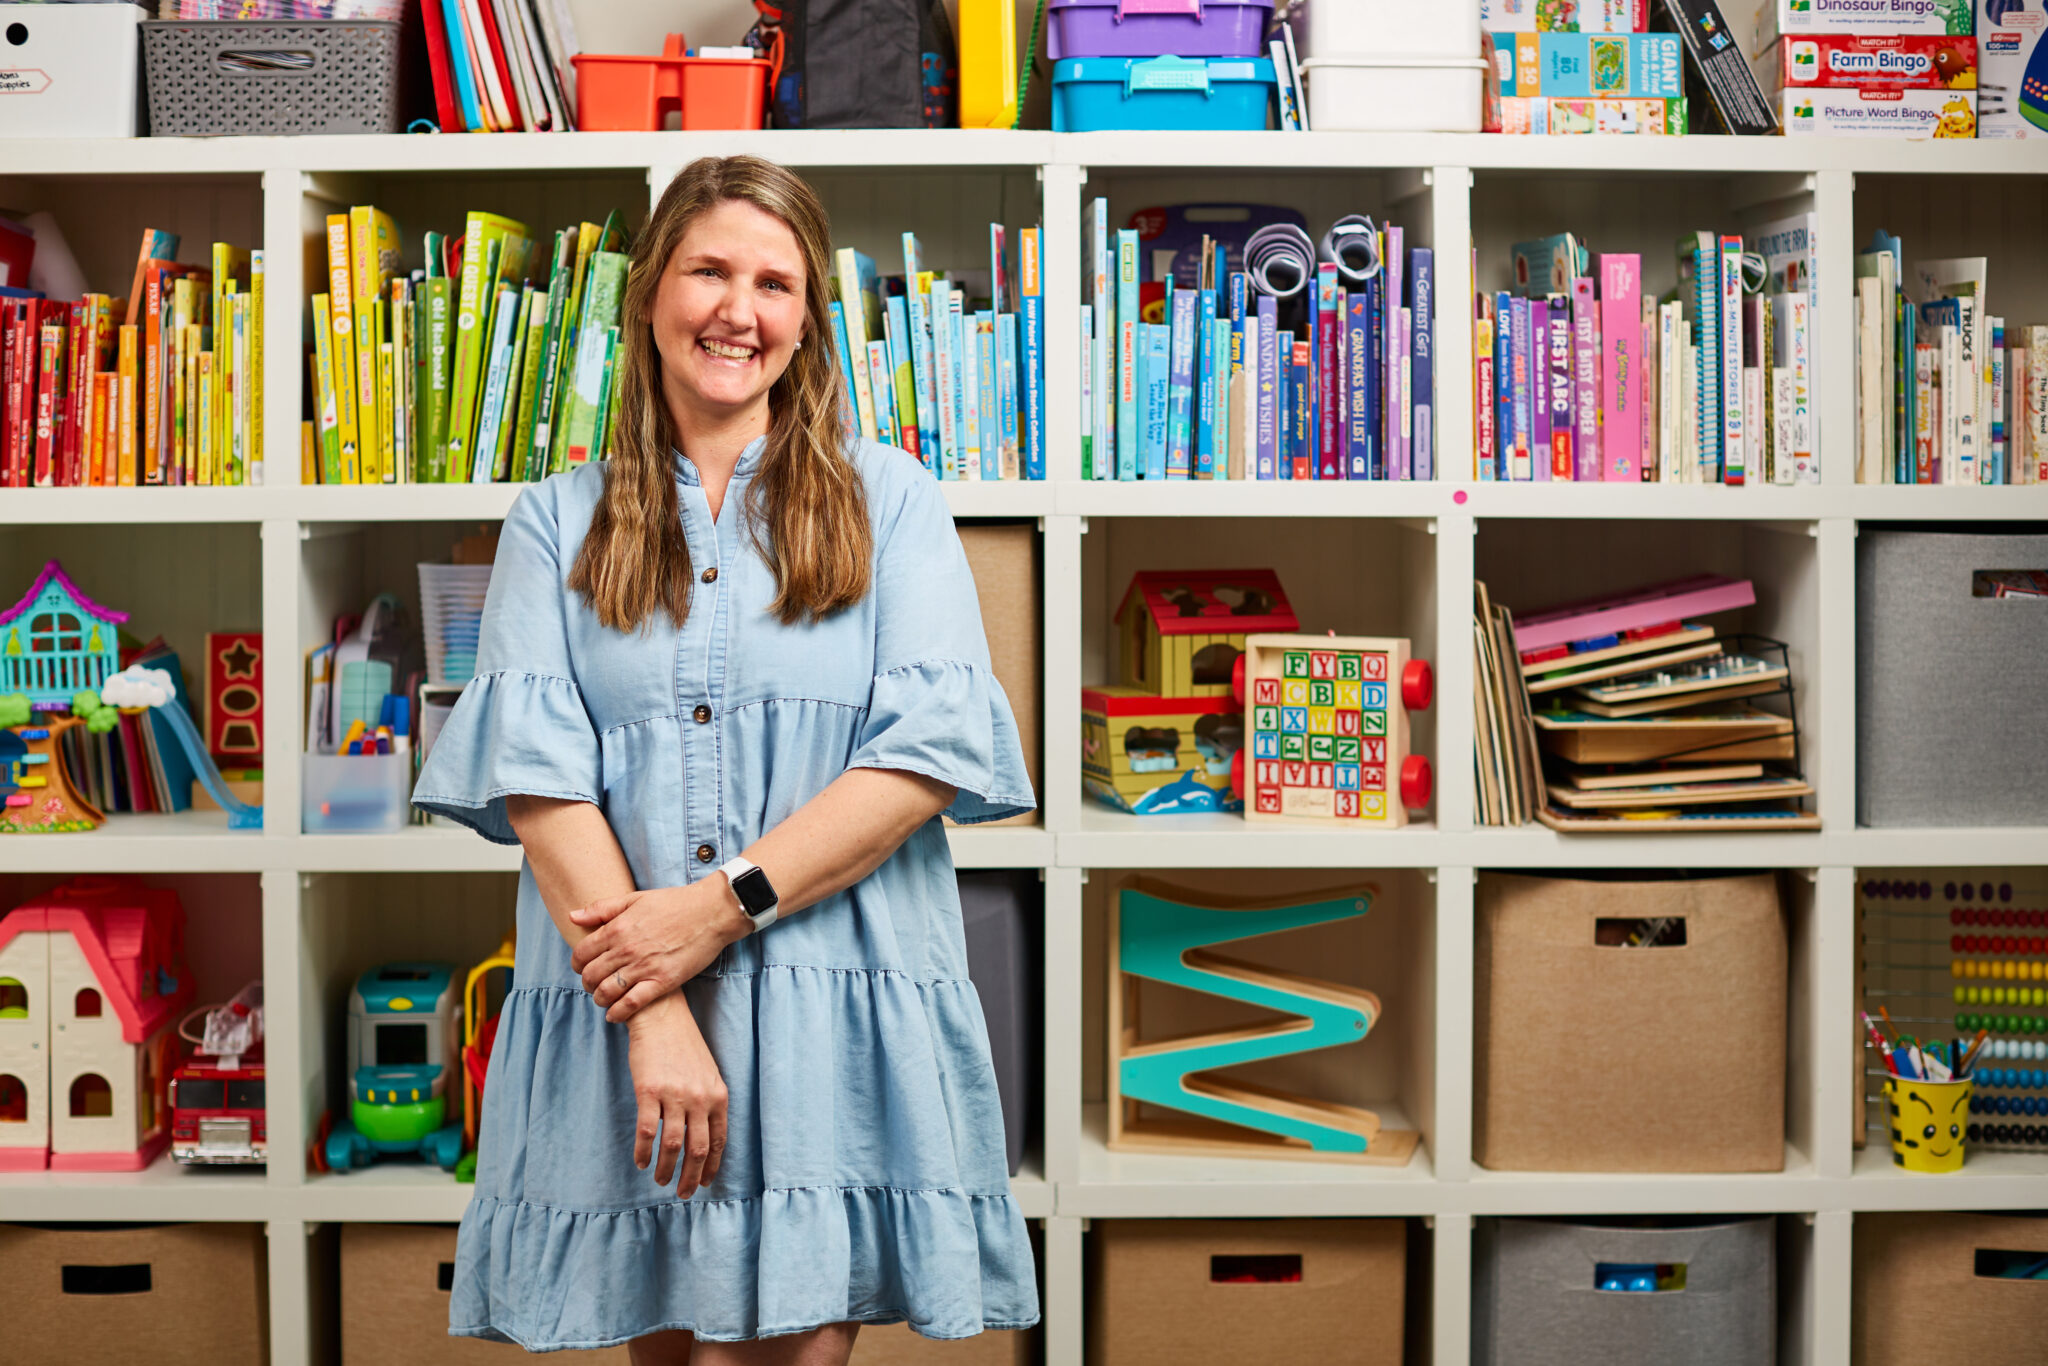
x=729 y=311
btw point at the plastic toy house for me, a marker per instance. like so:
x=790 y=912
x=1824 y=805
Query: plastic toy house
x=92 y=980
x=1182 y=631
x=56 y=641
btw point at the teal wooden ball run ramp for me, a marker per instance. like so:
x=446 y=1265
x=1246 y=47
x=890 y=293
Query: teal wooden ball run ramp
x=1159 y=933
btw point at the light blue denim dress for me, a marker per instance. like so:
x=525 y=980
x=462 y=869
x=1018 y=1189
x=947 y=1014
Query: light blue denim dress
x=864 y=1175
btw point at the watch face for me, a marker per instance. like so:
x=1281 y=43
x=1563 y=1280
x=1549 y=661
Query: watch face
x=753 y=890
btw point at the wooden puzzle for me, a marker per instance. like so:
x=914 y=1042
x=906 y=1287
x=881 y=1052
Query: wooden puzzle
x=1327 y=725
x=1160 y=933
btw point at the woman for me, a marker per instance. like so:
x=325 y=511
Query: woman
x=742 y=635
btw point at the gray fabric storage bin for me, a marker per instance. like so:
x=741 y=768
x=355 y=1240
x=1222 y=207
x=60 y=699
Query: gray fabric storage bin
x=1003 y=915
x=1948 y=686
x=1535 y=1302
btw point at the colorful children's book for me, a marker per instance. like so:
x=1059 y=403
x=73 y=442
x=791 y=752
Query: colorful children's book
x=1621 y=378
x=1157 y=376
x=1422 y=357
x=1031 y=298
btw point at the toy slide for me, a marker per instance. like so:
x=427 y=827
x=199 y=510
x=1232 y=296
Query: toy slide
x=241 y=815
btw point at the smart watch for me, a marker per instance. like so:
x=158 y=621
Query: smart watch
x=756 y=893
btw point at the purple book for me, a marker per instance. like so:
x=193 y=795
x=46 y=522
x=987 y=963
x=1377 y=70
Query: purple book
x=1559 y=361
x=1539 y=371
x=1395 y=445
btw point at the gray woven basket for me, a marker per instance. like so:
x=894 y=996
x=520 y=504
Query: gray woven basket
x=350 y=86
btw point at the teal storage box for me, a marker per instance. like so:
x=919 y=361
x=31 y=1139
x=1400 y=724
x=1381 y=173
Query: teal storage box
x=1217 y=94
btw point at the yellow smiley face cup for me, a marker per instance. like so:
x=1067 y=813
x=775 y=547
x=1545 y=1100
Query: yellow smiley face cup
x=1928 y=1121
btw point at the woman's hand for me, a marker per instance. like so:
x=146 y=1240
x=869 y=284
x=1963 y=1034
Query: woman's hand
x=645 y=945
x=678 y=1090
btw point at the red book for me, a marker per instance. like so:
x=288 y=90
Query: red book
x=10 y=391
x=50 y=406
x=485 y=8
x=445 y=111
x=1327 y=321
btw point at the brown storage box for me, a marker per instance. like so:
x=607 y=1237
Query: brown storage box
x=895 y=1345
x=1918 y=1298
x=112 y=1295
x=1006 y=578
x=394 y=1302
x=1614 y=1059
x=1166 y=1292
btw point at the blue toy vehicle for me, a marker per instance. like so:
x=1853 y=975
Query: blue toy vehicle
x=404 y=1025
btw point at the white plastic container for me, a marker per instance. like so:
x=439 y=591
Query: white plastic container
x=70 y=71
x=1380 y=29
x=1395 y=94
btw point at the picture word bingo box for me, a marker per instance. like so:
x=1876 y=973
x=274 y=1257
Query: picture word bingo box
x=1329 y=728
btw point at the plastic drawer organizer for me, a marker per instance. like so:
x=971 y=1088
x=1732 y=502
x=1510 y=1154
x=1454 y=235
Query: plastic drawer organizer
x=220 y=77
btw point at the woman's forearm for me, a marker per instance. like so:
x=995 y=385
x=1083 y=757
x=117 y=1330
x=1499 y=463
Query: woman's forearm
x=845 y=832
x=575 y=856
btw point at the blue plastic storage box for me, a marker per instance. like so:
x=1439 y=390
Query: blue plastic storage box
x=1220 y=94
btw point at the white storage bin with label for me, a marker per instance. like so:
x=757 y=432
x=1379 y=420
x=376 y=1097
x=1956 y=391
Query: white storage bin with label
x=1395 y=94
x=1380 y=29
x=70 y=71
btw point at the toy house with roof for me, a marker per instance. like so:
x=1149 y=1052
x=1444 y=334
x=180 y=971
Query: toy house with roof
x=92 y=981
x=1164 y=739
x=56 y=642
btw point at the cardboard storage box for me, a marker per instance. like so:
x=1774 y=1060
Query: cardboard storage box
x=1166 y=1292
x=895 y=1345
x=394 y=1302
x=114 y=1294
x=1947 y=718
x=1906 y=1262
x=1006 y=578
x=70 y=71
x=1592 y=1058
x=1536 y=1299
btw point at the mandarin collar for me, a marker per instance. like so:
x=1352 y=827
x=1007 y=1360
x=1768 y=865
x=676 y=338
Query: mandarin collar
x=748 y=465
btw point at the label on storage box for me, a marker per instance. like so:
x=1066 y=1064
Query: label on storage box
x=24 y=81
x=2014 y=104
x=1869 y=62
x=1870 y=16
x=1564 y=16
x=1590 y=64
x=1880 y=113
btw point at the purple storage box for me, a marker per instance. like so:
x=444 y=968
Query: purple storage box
x=1157 y=28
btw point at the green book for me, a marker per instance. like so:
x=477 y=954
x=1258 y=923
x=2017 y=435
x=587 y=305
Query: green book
x=555 y=330
x=490 y=423
x=583 y=411
x=607 y=399
x=587 y=238
x=434 y=387
x=483 y=237
x=508 y=419
x=529 y=383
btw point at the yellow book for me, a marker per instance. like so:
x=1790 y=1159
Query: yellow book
x=95 y=443
x=238 y=405
x=230 y=263
x=195 y=401
x=206 y=434
x=380 y=335
x=476 y=294
x=124 y=450
x=343 y=354
x=326 y=406
x=387 y=471
x=110 y=468
x=174 y=454
x=255 y=367
x=309 y=473
x=223 y=414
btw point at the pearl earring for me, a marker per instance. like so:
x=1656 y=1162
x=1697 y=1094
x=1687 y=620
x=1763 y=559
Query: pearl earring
x=799 y=345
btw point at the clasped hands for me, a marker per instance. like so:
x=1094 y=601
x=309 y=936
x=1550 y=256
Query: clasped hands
x=644 y=945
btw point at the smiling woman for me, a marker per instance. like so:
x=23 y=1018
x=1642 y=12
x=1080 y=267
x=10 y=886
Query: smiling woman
x=741 y=634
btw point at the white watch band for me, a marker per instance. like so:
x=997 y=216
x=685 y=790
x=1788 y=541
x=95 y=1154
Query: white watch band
x=734 y=868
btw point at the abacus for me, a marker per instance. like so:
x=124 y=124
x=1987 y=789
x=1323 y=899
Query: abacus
x=1987 y=933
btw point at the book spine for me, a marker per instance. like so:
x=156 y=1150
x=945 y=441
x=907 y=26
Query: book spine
x=1646 y=373
x=1541 y=442
x=2000 y=466
x=883 y=390
x=1329 y=320
x=1087 y=340
x=1422 y=349
x=497 y=374
x=1483 y=407
x=1267 y=378
x=945 y=382
x=1558 y=353
x=1393 y=447
x=555 y=317
x=1520 y=399
x=1180 y=385
x=49 y=405
x=1734 y=437
x=966 y=384
x=1301 y=401
x=1220 y=331
x=1706 y=285
x=534 y=326
x=1102 y=356
x=842 y=351
x=988 y=416
x=1923 y=414
x=1129 y=435
x=855 y=311
x=1504 y=385
x=439 y=329
x=1009 y=392
x=1969 y=421
x=1621 y=433
x=902 y=385
x=1205 y=385
x=1805 y=450
x=1585 y=381
x=1357 y=412
x=2037 y=401
x=1031 y=291
x=1158 y=397
x=342 y=352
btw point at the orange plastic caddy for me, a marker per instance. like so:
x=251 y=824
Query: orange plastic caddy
x=636 y=94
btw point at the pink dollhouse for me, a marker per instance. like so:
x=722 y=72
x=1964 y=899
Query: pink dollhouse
x=92 y=982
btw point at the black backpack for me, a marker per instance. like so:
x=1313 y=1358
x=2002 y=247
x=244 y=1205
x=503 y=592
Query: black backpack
x=878 y=63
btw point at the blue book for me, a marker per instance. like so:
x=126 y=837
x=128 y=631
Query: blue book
x=883 y=389
x=918 y=305
x=1266 y=387
x=1180 y=412
x=1008 y=395
x=966 y=387
x=1503 y=384
x=1357 y=441
x=1205 y=384
x=1128 y=435
x=1422 y=364
x=1283 y=405
x=1158 y=397
x=990 y=408
x=1219 y=363
x=1034 y=387
x=178 y=770
x=1375 y=340
x=896 y=332
x=945 y=382
x=841 y=346
x=458 y=62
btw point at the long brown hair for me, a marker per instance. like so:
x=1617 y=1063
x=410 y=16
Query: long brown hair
x=806 y=510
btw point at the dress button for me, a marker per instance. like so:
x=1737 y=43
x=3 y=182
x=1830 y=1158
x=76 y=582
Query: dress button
x=711 y=575
x=705 y=853
x=703 y=713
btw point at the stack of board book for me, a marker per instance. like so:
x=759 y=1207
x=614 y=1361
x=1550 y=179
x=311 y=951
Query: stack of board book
x=161 y=386
x=1508 y=772
x=1652 y=719
x=1583 y=374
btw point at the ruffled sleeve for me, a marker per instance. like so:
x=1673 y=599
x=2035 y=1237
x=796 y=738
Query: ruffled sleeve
x=520 y=725
x=936 y=707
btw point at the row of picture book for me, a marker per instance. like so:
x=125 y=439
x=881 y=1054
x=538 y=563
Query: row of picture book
x=491 y=362
x=138 y=765
x=1219 y=350
x=1946 y=392
x=943 y=366
x=162 y=385
x=502 y=66
x=1634 y=713
x=1584 y=374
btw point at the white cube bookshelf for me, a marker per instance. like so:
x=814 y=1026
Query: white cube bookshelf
x=1386 y=558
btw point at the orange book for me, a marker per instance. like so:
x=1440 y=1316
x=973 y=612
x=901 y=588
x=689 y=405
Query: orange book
x=124 y=448
x=157 y=245
x=93 y=449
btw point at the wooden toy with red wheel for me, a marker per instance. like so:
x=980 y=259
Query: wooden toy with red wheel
x=1326 y=723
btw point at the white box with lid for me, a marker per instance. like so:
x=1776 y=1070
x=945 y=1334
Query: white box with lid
x=70 y=71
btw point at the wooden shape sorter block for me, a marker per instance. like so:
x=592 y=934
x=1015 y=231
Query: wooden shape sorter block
x=1327 y=721
x=1160 y=933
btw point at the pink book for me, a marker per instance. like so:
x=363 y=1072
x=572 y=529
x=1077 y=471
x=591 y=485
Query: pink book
x=1621 y=379
x=1586 y=379
x=1676 y=601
